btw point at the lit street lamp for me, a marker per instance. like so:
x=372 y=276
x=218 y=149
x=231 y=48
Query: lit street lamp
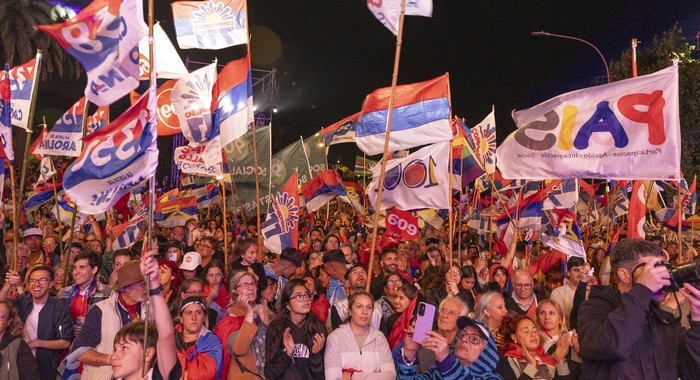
x=546 y=34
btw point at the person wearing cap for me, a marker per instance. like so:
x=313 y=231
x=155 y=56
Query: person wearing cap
x=283 y=270
x=86 y=291
x=32 y=237
x=355 y=281
x=173 y=251
x=475 y=356
x=334 y=266
x=564 y=295
x=93 y=346
x=199 y=350
x=191 y=265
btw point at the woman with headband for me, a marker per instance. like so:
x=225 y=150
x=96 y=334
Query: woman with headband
x=198 y=349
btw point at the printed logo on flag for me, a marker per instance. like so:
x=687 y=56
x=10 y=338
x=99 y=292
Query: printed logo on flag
x=22 y=79
x=168 y=122
x=191 y=100
x=98 y=120
x=64 y=137
x=213 y=24
x=189 y=160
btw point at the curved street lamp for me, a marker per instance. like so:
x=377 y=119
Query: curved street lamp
x=546 y=34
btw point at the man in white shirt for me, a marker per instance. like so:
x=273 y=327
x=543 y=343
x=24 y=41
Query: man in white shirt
x=564 y=295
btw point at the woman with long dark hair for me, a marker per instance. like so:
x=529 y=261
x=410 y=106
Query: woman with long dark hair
x=13 y=346
x=299 y=352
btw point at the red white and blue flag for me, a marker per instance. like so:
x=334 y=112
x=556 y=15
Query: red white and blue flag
x=281 y=227
x=98 y=120
x=213 y=24
x=104 y=38
x=206 y=195
x=325 y=186
x=23 y=83
x=41 y=195
x=126 y=234
x=636 y=216
x=64 y=137
x=116 y=159
x=191 y=99
x=342 y=131
x=231 y=106
x=421 y=116
x=175 y=212
x=6 y=118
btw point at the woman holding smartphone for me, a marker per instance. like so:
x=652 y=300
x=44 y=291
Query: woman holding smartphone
x=355 y=350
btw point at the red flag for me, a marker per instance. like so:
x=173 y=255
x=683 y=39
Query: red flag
x=636 y=215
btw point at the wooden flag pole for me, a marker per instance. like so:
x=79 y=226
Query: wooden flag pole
x=55 y=197
x=450 y=215
x=679 y=204
x=257 y=190
x=15 y=228
x=28 y=141
x=223 y=203
x=151 y=191
x=392 y=97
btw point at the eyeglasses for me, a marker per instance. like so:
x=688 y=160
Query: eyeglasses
x=42 y=281
x=523 y=286
x=395 y=282
x=248 y=285
x=301 y=297
x=470 y=338
x=448 y=312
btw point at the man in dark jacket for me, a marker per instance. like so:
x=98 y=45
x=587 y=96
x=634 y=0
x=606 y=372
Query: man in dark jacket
x=48 y=323
x=623 y=331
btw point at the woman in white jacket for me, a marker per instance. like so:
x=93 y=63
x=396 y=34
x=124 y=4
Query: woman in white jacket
x=355 y=350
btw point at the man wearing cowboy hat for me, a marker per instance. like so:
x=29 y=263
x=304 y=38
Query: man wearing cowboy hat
x=93 y=347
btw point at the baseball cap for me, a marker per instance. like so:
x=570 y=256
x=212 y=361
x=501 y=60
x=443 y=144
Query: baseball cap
x=463 y=322
x=191 y=261
x=128 y=274
x=32 y=232
x=334 y=255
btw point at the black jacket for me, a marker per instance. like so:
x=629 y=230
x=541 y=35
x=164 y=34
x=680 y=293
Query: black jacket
x=54 y=323
x=304 y=364
x=627 y=336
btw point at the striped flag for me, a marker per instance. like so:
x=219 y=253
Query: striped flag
x=126 y=234
x=213 y=24
x=6 y=117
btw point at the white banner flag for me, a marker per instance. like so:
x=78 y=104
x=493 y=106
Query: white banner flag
x=612 y=131
x=418 y=181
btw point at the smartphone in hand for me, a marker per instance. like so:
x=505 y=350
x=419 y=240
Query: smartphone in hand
x=424 y=321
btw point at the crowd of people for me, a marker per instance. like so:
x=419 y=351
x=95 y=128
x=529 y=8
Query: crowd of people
x=204 y=301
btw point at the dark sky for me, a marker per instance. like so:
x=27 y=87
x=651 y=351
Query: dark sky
x=330 y=54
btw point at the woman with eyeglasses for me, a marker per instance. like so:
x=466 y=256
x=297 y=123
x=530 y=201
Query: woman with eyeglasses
x=475 y=354
x=241 y=330
x=392 y=283
x=16 y=358
x=356 y=350
x=200 y=351
x=525 y=358
x=295 y=338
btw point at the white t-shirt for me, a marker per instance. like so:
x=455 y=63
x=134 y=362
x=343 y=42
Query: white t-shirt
x=31 y=325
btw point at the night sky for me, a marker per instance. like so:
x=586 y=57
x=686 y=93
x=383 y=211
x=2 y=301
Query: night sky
x=330 y=54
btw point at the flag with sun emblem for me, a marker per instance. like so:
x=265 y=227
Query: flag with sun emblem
x=484 y=138
x=281 y=228
x=213 y=24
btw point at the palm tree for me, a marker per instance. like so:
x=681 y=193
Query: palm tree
x=19 y=40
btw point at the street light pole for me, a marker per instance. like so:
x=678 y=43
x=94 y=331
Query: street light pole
x=546 y=34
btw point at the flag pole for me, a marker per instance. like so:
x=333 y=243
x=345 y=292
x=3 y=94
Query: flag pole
x=680 y=221
x=27 y=142
x=233 y=196
x=55 y=197
x=223 y=203
x=364 y=170
x=15 y=228
x=257 y=189
x=151 y=189
x=450 y=211
x=394 y=80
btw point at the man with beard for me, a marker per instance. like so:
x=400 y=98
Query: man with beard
x=388 y=260
x=355 y=279
x=48 y=327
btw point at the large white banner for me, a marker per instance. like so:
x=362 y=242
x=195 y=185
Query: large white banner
x=623 y=130
x=418 y=181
